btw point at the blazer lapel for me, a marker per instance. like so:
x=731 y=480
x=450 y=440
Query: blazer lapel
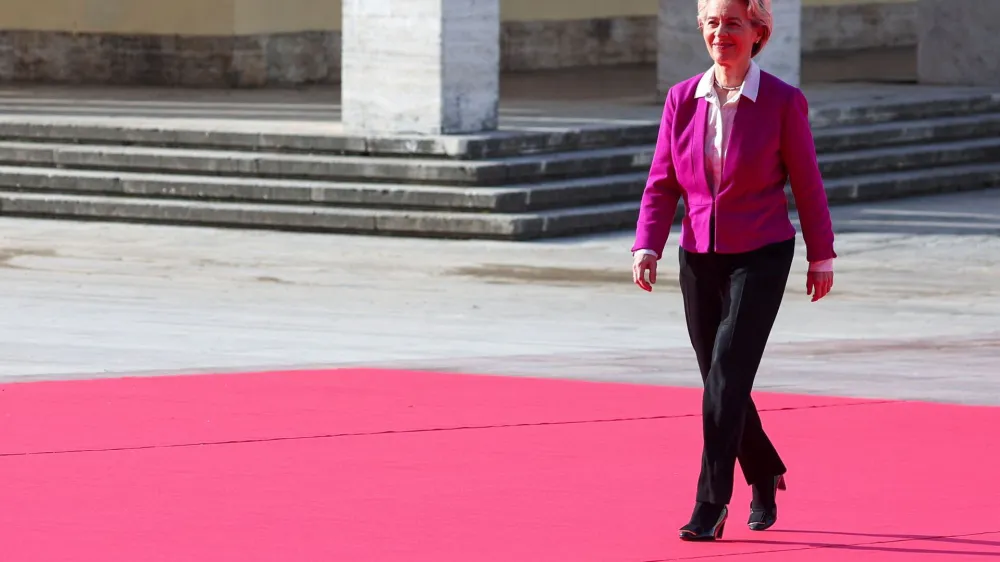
x=698 y=146
x=746 y=114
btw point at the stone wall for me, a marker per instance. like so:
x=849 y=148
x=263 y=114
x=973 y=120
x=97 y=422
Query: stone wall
x=167 y=60
x=532 y=45
x=536 y=45
x=852 y=27
x=314 y=57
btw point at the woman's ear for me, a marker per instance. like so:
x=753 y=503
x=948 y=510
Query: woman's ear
x=758 y=42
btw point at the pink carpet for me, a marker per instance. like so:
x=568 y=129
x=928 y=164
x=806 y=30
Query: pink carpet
x=386 y=466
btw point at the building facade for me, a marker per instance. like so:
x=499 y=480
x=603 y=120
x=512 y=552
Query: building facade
x=432 y=66
x=246 y=43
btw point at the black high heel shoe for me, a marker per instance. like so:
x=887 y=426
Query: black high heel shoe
x=707 y=523
x=764 y=509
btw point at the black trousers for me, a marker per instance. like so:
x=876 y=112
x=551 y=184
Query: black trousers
x=730 y=303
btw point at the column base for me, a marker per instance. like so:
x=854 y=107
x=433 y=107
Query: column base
x=422 y=67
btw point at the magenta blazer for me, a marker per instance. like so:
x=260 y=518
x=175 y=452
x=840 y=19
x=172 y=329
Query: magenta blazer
x=770 y=143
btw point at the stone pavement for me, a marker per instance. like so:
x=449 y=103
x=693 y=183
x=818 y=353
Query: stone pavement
x=915 y=311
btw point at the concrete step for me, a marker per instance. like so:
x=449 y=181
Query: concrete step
x=535 y=168
x=437 y=223
x=323 y=138
x=501 y=144
x=328 y=138
x=851 y=112
x=514 y=226
x=505 y=199
x=909 y=183
x=941 y=129
x=895 y=158
x=496 y=172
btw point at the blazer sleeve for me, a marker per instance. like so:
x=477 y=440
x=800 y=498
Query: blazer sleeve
x=662 y=192
x=798 y=152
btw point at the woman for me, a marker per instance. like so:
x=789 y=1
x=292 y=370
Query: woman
x=728 y=143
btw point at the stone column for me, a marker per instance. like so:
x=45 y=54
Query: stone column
x=425 y=67
x=682 y=52
x=958 y=42
x=782 y=56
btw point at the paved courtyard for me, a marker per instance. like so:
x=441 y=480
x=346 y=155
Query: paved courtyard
x=915 y=311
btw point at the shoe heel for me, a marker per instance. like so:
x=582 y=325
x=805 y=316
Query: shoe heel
x=694 y=531
x=719 y=531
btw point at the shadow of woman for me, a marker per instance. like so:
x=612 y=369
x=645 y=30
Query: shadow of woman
x=958 y=539
x=883 y=542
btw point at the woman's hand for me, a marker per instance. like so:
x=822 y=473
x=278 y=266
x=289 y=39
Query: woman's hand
x=642 y=263
x=818 y=284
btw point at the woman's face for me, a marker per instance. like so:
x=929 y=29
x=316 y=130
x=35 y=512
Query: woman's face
x=728 y=33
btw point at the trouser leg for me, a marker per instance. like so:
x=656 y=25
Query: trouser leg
x=755 y=290
x=759 y=460
x=703 y=284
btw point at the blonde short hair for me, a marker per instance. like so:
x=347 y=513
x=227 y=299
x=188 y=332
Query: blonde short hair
x=760 y=16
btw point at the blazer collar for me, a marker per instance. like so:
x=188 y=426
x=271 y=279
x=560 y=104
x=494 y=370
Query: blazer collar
x=749 y=89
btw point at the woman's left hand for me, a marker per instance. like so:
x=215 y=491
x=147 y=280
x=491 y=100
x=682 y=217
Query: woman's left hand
x=818 y=284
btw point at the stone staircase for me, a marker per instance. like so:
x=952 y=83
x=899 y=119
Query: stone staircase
x=513 y=184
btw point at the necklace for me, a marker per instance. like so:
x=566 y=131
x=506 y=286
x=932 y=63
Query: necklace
x=728 y=88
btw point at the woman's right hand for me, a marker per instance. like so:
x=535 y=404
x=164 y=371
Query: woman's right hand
x=641 y=264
